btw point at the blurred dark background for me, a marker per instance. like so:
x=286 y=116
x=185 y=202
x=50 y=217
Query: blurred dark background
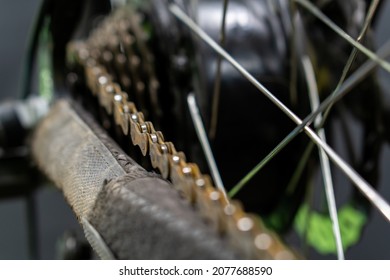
x=53 y=214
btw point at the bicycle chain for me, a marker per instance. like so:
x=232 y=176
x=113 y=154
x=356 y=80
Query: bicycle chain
x=116 y=61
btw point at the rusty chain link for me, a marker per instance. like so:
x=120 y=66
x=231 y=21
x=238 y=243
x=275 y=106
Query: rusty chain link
x=118 y=68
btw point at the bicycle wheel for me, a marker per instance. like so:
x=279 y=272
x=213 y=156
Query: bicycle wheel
x=145 y=57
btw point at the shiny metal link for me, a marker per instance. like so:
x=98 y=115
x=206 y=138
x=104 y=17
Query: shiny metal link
x=139 y=132
x=121 y=111
x=210 y=203
x=243 y=231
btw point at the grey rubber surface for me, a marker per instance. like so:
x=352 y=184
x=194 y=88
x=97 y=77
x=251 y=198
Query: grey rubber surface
x=137 y=213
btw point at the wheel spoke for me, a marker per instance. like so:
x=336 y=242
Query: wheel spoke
x=367 y=22
x=352 y=81
x=217 y=81
x=320 y=121
x=201 y=132
x=349 y=84
x=316 y=12
x=324 y=160
x=360 y=183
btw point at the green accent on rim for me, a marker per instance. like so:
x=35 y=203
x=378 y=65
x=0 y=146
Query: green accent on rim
x=278 y=219
x=45 y=65
x=319 y=228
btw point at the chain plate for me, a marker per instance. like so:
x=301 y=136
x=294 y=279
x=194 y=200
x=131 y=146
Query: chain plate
x=119 y=72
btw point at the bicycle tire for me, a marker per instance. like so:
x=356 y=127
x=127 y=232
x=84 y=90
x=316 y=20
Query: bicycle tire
x=137 y=213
